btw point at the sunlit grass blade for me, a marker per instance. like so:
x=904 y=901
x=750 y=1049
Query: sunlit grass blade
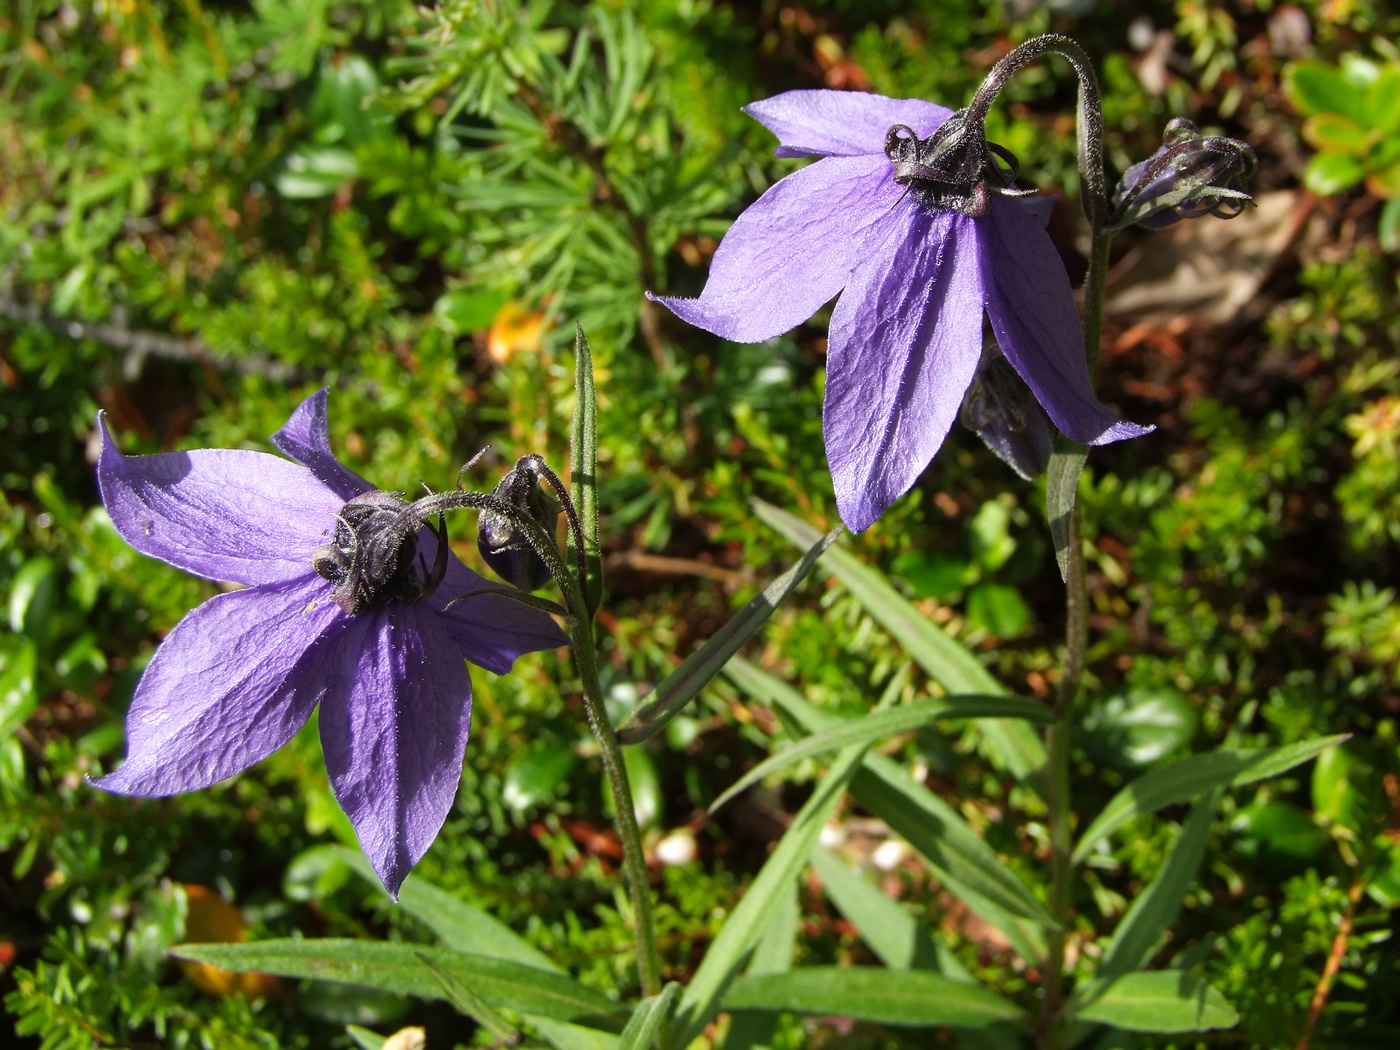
x=1160 y=1001
x=1157 y=906
x=467 y=1002
x=1187 y=778
x=583 y=465
x=394 y=966
x=955 y=852
x=746 y=924
x=870 y=993
x=878 y=725
x=890 y=931
x=459 y=925
x=684 y=683
x=947 y=661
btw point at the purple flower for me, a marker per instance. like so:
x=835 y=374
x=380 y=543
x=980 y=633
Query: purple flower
x=915 y=278
x=239 y=675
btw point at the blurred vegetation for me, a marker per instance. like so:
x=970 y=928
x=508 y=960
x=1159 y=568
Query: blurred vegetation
x=209 y=210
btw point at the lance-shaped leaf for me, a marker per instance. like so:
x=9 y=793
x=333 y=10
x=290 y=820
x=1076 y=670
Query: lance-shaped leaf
x=395 y=967
x=697 y=670
x=879 y=725
x=892 y=933
x=1187 y=778
x=1156 y=907
x=953 y=850
x=1013 y=744
x=459 y=925
x=583 y=465
x=772 y=954
x=649 y=1017
x=870 y=993
x=467 y=1002
x=749 y=919
x=1061 y=491
x=1160 y=1001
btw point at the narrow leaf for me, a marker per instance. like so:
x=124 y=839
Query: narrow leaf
x=881 y=724
x=1156 y=907
x=1061 y=491
x=892 y=933
x=870 y=993
x=467 y=1002
x=458 y=925
x=957 y=855
x=684 y=683
x=395 y=967
x=583 y=465
x=648 y=1018
x=701 y=1000
x=772 y=954
x=1187 y=778
x=947 y=661
x=1160 y=1001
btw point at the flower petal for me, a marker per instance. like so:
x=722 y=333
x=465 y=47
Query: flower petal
x=394 y=727
x=305 y=438
x=906 y=336
x=491 y=630
x=228 y=514
x=792 y=250
x=841 y=123
x=225 y=689
x=1037 y=326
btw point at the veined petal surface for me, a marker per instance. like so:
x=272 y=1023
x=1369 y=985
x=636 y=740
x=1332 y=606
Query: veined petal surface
x=793 y=249
x=906 y=336
x=306 y=438
x=1037 y=327
x=226 y=514
x=824 y=123
x=226 y=688
x=394 y=726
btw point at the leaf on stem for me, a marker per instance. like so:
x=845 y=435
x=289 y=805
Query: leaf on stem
x=871 y=993
x=697 y=670
x=881 y=724
x=1012 y=744
x=650 y=1016
x=583 y=466
x=1187 y=778
x=1160 y=1001
x=396 y=967
x=468 y=1003
x=1061 y=491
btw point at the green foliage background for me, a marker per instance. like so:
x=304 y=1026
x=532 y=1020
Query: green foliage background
x=208 y=211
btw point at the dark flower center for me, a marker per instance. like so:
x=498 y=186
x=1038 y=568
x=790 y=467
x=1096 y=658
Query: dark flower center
x=955 y=168
x=370 y=561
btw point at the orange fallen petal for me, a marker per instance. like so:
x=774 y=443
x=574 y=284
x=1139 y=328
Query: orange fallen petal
x=513 y=330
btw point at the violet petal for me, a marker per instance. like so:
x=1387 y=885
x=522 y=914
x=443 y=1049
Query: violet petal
x=306 y=438
x=227 y=514
x=1037 y=327
x=824 y=123
x=906 y=336
x=792 y=250
x=225 y=689
x=490 y=630
x=394 y=726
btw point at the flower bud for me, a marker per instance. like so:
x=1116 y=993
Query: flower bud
x=501 y=543
x=1190 y=176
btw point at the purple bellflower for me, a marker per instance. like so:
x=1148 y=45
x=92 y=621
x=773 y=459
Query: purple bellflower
x=909 y=216
x=380 y=649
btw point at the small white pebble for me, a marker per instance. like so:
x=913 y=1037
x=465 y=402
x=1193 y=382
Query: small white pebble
x=889 y=854
x=676 y=848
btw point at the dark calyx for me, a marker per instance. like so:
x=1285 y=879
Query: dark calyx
x=954 y=168
x=371 y=560
x=501 y=543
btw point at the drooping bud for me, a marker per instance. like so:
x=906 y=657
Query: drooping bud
x=370 y=561
x=1005 y=414
x=1190 y=176
x=954 y=168
x=501 y=543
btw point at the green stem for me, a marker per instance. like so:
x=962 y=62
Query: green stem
x=633 y=857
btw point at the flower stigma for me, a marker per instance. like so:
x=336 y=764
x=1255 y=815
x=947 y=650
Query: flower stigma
x=370 y=561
